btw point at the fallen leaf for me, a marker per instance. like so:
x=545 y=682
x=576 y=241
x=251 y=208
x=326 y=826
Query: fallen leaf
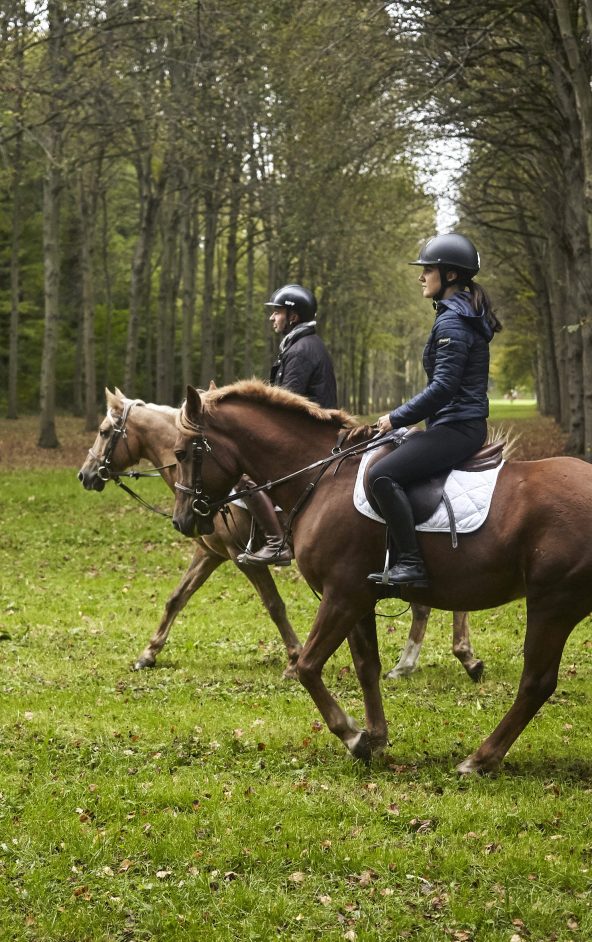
x=163 y=874
x=297 y=877
x=367 y=877
x=125 y=865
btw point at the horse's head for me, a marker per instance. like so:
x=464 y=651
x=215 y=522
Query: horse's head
x=206 y=471
x=113 y=449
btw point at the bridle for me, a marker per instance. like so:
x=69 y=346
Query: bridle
x=118 y=425
x=105 y=472
x=201 y=503
x=204 y=506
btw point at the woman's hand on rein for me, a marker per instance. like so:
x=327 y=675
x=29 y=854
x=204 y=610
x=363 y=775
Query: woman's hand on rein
x=384 y=424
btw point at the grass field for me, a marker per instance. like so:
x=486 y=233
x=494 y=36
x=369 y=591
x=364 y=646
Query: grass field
x=204 y=799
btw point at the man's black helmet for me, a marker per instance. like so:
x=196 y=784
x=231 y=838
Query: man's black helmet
x=453 y=251
x=295 y=298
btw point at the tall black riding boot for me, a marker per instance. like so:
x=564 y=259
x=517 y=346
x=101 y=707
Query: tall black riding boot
x=275 y=551
x=409 y=568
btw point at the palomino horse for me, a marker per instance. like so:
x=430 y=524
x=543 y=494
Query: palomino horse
x=132 y=430
x=535 y=543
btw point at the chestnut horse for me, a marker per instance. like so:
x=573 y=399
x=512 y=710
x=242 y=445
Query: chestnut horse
x=535 y=544
x=149 y=433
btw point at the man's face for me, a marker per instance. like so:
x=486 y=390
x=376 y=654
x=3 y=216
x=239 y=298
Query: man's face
x=279 y=319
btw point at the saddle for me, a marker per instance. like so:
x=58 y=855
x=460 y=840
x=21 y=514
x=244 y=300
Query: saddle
x=424 y=496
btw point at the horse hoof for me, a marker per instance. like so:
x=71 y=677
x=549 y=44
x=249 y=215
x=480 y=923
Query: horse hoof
x=472 y=766
x=476 y=671
x=143 y=662
x=396 y=673
x=290 y=673
x=361 y=747
x=467 y=767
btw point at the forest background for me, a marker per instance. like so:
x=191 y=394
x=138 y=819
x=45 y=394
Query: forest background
x=165 y=165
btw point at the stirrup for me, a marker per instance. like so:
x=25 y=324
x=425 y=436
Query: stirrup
x=274 y=552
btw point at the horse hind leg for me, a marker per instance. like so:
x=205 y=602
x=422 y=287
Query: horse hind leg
x=461 y=645
x=546 y=634
x=410 y=654
x=200 y=569
x=462 y=649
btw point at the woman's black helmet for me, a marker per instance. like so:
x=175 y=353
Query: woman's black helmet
x=451 y=251
x=295 y=298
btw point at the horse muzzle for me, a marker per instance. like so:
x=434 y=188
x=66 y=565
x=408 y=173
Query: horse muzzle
x=90 y=480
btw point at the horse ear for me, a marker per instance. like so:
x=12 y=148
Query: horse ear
x=113 y=399
x=212 y=385
x=119 y=393
x=193 y=404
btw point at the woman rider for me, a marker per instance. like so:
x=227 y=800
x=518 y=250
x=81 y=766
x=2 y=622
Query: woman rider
x=454 y=403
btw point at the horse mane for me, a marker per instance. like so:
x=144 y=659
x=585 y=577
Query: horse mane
x=254 y=390
x=153 y=406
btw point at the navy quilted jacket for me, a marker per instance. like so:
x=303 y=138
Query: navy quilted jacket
x=456 y=360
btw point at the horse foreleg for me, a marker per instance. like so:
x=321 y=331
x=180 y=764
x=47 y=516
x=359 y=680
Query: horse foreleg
x=363 y=645
x=331 y=626
x=410 y=654
x=200 y=568
x=461 y=646
x=543 y=647
x=262 y=580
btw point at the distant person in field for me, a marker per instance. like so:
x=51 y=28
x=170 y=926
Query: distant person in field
x=454 y=404
x=303 y=366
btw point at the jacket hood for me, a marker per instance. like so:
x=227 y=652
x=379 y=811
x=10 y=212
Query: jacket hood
x=461 y=304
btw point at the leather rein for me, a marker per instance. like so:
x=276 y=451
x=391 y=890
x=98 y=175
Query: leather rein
x=204 y=506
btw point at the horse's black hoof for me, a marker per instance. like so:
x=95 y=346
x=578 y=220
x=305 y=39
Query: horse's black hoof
x=476 y=672
x=362 y=748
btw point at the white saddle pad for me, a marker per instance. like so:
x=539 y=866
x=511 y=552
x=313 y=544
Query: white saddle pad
x=469 y=493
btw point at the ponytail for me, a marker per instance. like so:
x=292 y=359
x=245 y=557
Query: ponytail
x=481 y=302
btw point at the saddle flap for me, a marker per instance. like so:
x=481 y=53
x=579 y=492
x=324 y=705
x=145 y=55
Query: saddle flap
x=424 y=496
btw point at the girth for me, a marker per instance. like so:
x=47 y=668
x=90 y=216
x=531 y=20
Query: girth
x=424 y=496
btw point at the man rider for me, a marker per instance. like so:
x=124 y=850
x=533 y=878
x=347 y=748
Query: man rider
x=303 y=366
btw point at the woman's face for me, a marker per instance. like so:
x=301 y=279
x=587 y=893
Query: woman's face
x=430 y=280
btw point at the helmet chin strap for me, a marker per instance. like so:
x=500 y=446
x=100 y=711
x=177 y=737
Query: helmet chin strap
x=444 y=283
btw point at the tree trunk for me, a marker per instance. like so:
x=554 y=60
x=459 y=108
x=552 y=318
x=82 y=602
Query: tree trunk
x=248 y=362
x=165 y=328
x=149 y=202
x=107 y=289
x=15 y=290
x=52 y=186
x=231 y=318
x=189 y=243
x=207 y=371
x=86 y=209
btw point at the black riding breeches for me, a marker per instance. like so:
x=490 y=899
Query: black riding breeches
x=438 y=449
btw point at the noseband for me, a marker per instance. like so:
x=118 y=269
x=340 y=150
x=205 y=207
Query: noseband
x=119 y=430
x=201 y=503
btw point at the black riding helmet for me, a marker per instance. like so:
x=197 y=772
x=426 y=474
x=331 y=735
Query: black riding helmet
x=450 y=252
x=453 y=251
x=295 y=298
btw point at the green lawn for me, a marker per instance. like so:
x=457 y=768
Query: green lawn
x=205 y=800
x=519 y=409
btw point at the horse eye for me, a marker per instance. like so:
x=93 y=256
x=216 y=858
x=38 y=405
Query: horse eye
x=104 y=432
x=180 y=455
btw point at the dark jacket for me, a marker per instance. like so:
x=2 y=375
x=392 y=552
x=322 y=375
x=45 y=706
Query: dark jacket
x=304 y=366
x=456 y=360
